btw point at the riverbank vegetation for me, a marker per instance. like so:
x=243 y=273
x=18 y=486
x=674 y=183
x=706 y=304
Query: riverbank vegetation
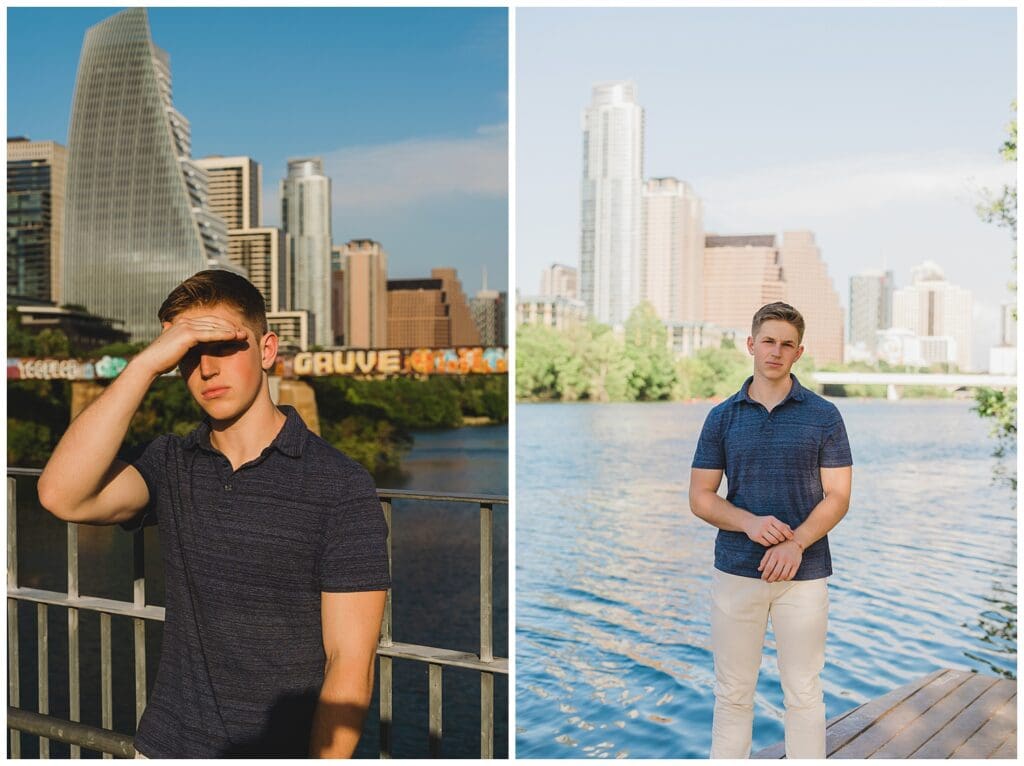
x=590 y=362
x=369 y=420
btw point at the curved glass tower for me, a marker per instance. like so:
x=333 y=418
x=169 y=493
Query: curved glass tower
x=136 y=219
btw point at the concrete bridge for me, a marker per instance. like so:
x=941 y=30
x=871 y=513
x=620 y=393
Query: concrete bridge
x=896 y=380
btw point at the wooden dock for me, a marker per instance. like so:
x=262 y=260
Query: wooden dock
x=947 y=714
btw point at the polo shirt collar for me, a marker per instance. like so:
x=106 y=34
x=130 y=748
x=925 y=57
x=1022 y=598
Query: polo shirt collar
x=289 y=440
x=796 y=392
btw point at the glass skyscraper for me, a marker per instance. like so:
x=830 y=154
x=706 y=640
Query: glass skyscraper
x=306 y=217
x=613 y=130
x=136 y=221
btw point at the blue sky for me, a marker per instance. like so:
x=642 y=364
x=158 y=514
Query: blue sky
x=407 y=106
x=875 y=128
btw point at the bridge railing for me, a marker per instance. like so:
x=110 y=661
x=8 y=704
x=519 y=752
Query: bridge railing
x=40 y=723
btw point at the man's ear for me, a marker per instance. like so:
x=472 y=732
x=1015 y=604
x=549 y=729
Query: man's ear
x=268 y=351
x=750 y=344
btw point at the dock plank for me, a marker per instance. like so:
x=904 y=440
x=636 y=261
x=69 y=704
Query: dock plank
x=1008 y=749
x=891 y=723
x=970 y=719
x=985 y=742
x=939 y=715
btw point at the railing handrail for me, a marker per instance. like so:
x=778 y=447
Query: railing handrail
x=396 y=494
x=48 y=727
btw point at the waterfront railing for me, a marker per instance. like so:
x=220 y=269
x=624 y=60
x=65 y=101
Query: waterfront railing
x=111 y=743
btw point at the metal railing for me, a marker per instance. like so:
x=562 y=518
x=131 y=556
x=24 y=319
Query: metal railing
x=112 y=743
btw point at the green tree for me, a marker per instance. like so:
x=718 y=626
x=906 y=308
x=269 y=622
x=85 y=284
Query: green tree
x=646 y=345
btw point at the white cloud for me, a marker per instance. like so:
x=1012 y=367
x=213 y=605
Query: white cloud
x=378 y=177
x=846 y=188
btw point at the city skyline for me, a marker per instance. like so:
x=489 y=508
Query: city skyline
x=789 y=127
x=415 y=144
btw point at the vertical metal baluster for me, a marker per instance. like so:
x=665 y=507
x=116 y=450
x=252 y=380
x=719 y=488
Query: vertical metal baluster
x=43 y=659
x=434 y=703
x=13 y=655
x=106 y=676
x=139 y=592
x=386 y=677
x=74 y=688
x=486 y=629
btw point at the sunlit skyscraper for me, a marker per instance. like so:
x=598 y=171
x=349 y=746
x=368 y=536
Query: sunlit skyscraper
x=672 y=250
x=306 y=217
x=136 y=220
x=613 y=127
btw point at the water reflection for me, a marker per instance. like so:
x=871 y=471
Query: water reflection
x=613 y=573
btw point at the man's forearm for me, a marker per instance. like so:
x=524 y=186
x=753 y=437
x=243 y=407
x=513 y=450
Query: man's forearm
x=719 y=512
x=344 y=700
x=86 y=451
x=825 y=515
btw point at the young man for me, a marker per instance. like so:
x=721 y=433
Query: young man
x=785 y=453
x=273 y=541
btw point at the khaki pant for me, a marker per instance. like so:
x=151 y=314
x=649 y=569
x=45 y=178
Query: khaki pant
x=740 y=610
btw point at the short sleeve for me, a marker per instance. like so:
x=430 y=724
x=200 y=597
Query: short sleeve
x=355 y=556
x=835 y=448
x=710 y=451
x=152 y=464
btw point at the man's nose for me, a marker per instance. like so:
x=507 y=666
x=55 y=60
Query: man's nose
x=208 y=365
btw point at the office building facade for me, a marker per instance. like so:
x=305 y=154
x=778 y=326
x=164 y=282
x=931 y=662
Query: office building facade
x=610 y=202
x=36 y=172
x=490 y=316
x=136 y=219
x=560 y=281
x=306 y=218
x=672 y=250
x=365 y=298
x=430 y=313
x=932 y=307
x=809 y=289
x=741 y=274
x=870 y=308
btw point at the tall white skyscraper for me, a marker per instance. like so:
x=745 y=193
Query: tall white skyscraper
x=934 y=309
x=672 y=250
x=610 y=217
x=306 y=216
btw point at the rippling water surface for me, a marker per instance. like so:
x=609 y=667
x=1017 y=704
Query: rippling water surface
x=613 y=573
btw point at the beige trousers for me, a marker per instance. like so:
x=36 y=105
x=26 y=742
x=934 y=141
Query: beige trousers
x=740 y=608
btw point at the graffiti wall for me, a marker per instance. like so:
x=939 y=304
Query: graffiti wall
x=471 y=360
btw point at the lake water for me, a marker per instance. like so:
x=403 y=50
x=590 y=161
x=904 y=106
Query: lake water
x=435 y=549
x=613 y=573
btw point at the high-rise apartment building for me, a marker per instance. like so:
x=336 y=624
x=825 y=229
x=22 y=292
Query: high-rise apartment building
x=430 y=313
x=810 y=291
x=234 y=189
x=610 y=198
x=741 y=274
x=551 y=311
x=490 y=316
x=235 y=195
x=672 y=250
x=870 y=308
x=931 y=307
x=560 y=281
x=365 y=298
x=35 y=218
x=306 y=218
x=136 y=219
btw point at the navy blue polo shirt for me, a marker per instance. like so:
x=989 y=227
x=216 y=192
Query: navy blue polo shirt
x=247 y=554
x=772 y=461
